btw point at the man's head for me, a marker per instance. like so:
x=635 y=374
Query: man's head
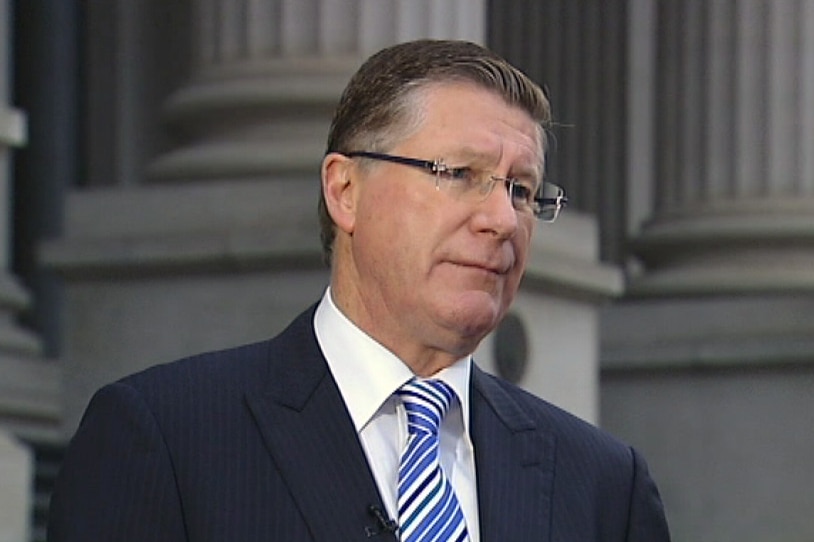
x=378 y=106
x=434 y=155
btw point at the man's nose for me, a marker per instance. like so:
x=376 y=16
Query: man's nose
x=496 y=213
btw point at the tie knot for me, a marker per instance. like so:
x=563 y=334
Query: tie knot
x=426 y=403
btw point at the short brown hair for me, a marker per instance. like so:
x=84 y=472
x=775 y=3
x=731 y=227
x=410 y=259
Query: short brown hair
x=375 y=108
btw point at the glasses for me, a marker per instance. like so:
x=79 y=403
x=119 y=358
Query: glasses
x=469 y=184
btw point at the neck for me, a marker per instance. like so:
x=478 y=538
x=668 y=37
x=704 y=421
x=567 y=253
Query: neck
x=422 y=359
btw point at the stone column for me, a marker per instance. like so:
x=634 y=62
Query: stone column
x=732 y=150
x=708 y=363
x=13 y=298
x=577 y=50
x=28 y=398
x=28 y=383
x=16 y=475
x=267 y=75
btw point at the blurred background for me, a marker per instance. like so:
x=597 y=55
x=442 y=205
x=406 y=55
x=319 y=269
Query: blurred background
x=159 y=172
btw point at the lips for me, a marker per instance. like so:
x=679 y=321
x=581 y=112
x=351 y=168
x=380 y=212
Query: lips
x=498 y=267
x=498 y=260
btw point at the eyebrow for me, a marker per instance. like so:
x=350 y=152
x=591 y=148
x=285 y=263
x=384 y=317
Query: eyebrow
x=472 y=155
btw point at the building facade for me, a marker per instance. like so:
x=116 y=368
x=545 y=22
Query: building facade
x=160 y=167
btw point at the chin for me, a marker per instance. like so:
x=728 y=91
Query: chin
x=476 y=314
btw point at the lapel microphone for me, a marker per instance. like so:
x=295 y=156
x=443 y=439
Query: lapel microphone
x=384 y=524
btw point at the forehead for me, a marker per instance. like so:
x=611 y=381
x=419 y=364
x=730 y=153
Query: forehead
x=469 y=122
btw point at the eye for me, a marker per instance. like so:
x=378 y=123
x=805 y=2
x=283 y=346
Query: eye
x=463 y=180
x=460 y=174
x=521 y=192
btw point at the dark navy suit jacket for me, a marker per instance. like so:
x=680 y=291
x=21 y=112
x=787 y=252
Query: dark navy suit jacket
x=255 y=444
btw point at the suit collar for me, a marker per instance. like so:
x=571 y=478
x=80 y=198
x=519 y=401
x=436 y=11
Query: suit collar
x=311 y=438
x=303 y=420
x=514 y=458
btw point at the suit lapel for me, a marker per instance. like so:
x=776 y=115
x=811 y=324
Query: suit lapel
x=311 y=438
x=515 y=466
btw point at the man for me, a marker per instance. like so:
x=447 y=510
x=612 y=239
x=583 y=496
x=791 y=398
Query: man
x=367 y=418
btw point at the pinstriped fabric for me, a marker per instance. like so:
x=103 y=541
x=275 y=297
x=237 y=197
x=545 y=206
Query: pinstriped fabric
x=428 y=508
x=254 y=445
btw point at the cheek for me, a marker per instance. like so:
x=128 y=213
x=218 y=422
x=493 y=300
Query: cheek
x=521 y=252
x=408 y=214
x=521 y=247
x=388 y=233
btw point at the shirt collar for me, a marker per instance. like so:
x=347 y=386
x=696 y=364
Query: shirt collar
x=366 y=372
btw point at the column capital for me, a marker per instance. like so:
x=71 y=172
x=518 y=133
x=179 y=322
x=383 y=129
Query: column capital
x=733 y=182
x=267 y=77
x=728 y=247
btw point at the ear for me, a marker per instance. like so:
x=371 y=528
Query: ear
x=339 y=190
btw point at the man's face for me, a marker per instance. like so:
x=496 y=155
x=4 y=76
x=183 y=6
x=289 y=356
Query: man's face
x=432 y=270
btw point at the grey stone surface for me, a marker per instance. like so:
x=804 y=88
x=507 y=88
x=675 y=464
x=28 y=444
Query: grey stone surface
x=563 y=356
x=15 y=496
x=30 y=398
x=117 y=326
x=732 y=449
x=717 y=392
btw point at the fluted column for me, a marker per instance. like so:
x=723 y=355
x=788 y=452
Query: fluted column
x=16 y=344
x=28 y=382
x=13 y=298
x=732 y=149
x=707 y=362
x=267 y=75
x=16 y=475
x=577 y=50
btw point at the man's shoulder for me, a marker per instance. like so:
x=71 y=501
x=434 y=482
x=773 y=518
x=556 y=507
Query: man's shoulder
x=570 y=430
x=210 y=364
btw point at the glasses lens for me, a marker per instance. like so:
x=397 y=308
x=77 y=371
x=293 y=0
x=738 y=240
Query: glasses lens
x=466 y=184
x=475 y=186
x=550 y=201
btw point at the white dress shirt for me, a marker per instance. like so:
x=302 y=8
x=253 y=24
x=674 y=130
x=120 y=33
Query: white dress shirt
x=367 y=375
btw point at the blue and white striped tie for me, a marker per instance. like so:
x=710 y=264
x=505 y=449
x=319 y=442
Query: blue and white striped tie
x=428 y=507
